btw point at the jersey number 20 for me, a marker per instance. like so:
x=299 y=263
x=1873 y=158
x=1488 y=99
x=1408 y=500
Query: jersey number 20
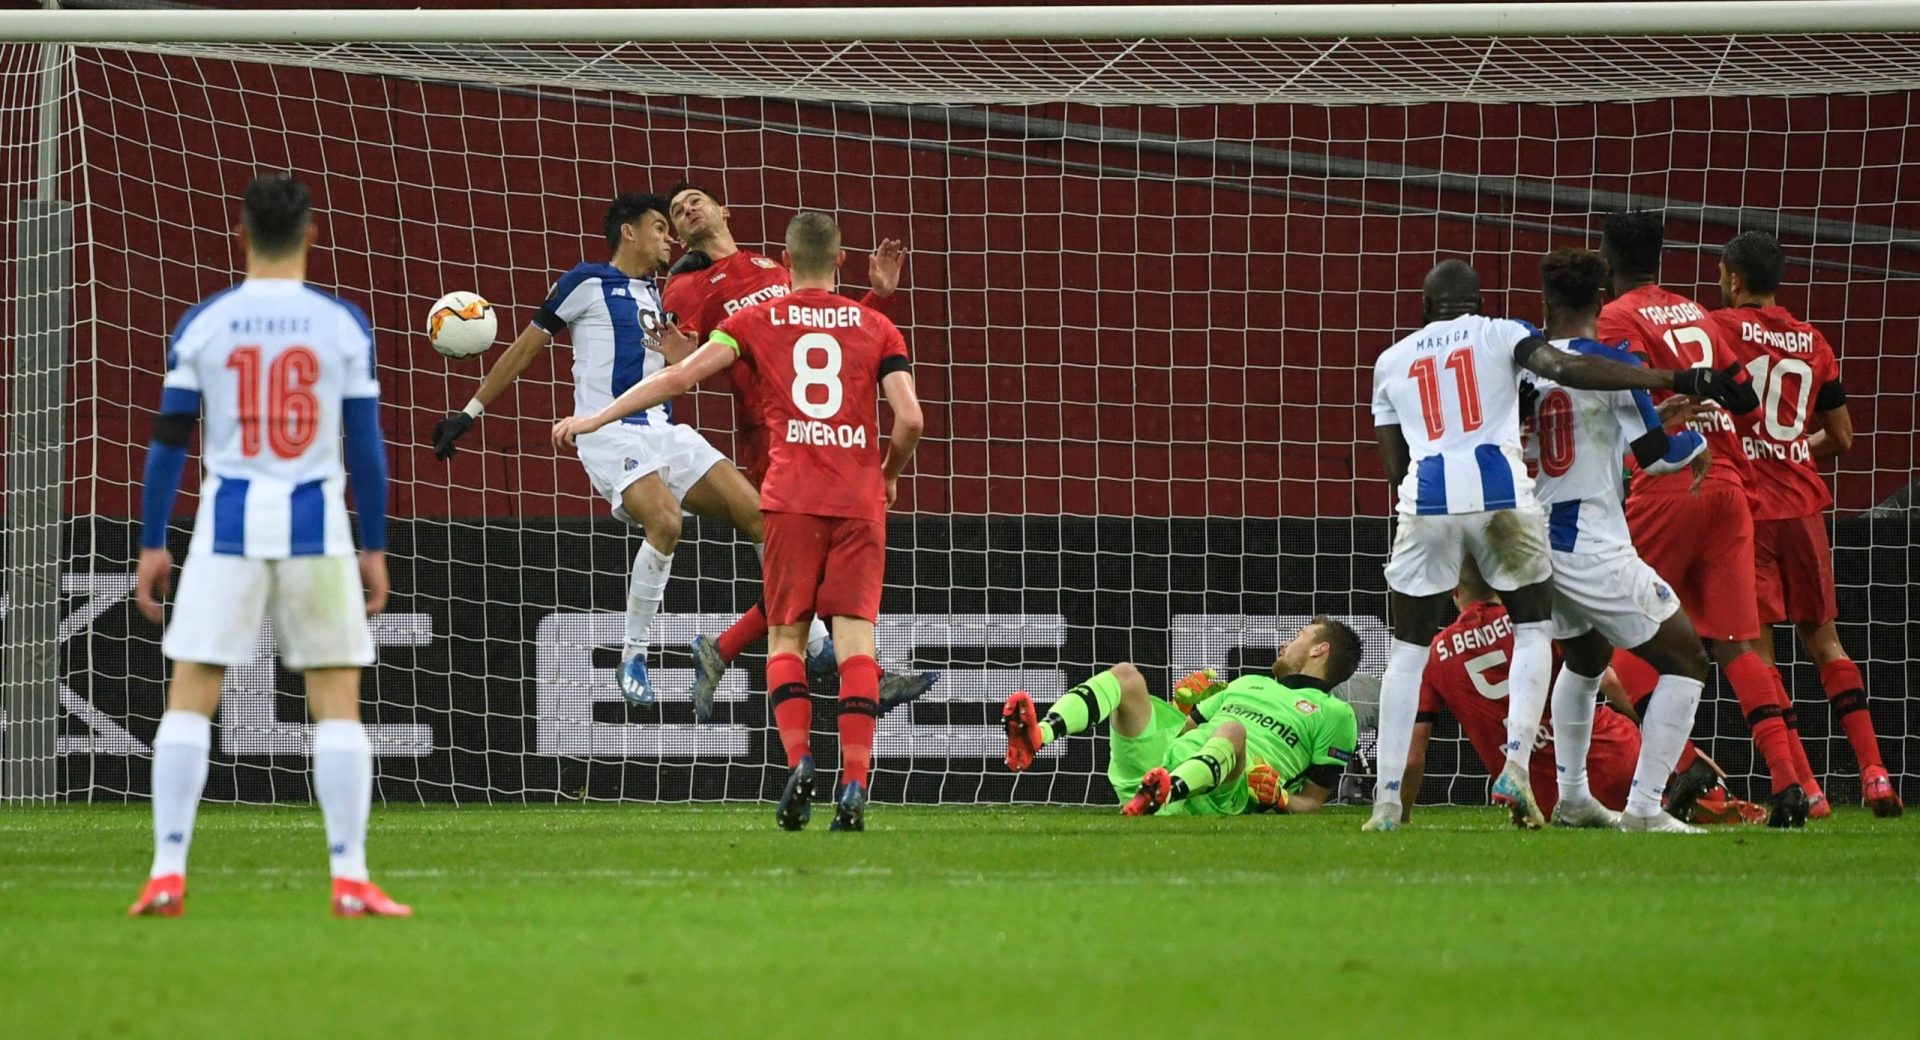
x=292 y=416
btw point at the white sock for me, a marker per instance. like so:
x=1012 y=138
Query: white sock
x=343 y=780
x=179 y=774
x=1573 y=708
x=816 y=637
x=1527 y=690
x=1399 y=703
x=1663 y=734
x=644 y=592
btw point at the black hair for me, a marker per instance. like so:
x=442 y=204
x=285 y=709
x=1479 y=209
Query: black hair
x=1756 y=257
x=1571 y=279
x=1343 y=648
x=275 y=213
x=629 y=207
x=1632 y=242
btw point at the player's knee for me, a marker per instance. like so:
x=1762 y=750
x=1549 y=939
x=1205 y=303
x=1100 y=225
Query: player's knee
x=1233 y=733
x=1692 y=661
x=663 y=529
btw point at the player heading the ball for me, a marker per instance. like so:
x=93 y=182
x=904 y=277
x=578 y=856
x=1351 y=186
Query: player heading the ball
x=821 y=361
x=646 y=467
x=280 y=370
x=1446 y=417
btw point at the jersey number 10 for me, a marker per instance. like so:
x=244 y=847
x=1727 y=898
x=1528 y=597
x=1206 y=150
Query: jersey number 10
x=1426 y=373
x=292 y=417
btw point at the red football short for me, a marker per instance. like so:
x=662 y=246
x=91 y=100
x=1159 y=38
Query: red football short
x=1702 y=544
x=829 y=566
x=1611 y=759
x=1793 y=570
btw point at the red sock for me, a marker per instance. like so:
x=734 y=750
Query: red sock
x=1847 y=692
x=1637 y=677
x=1688 y=756
x=751 y=627
x=859 y=710
x=1758 y=690
x=792 y=704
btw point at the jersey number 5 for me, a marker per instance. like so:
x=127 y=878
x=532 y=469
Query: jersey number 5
x=1426 y=373
x=292 y=417
x=826 y=375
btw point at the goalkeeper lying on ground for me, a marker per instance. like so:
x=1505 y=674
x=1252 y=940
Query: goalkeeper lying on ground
x=1259 y=744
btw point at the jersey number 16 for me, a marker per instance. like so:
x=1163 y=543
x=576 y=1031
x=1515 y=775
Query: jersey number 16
x=292 y=417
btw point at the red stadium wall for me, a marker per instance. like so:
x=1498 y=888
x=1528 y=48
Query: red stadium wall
x=1131 y=335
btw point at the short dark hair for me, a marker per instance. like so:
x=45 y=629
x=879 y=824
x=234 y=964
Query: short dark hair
x=1632 y=241
x=1571 y=279
x=686 y=186
x=1343 y=648
x=1756 y=257
x=813 y=242
x=276 y=213
x=629 y=207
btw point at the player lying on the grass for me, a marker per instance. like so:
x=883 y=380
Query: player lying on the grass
x=1446 y=417
x=1668 y=516
x=1796 y=371
x=823 y=360
x=1260 y=743
x=713 y=279
x=1467 y=677
x=280 y=371
x=647 y=467
x=1603 y=595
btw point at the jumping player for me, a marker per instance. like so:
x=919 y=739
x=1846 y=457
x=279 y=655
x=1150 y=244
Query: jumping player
x=1668 y=514
x=1603 y=595
x=1276 y=742
x=822 y=360
x=280 y=371
x=1464 y=492
x=647 y=467
x=712 y=280
x=1798 y=378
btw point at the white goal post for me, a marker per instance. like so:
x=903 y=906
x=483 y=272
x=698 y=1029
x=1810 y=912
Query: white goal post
x=1153 y=251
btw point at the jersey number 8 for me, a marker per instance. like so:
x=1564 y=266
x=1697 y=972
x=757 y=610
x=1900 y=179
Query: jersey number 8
x=806 y=376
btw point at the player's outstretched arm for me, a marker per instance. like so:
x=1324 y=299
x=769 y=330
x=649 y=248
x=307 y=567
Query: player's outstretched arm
x=653 y=391
x=1587 y=372
x=532 y=340
x=166 y=461
x=1416 y=773
x=908 y=424
x=883 y=273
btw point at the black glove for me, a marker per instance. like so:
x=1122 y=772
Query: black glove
x=448 y=430
x=690 y=261
x=1529 y=399
x=1722 y=386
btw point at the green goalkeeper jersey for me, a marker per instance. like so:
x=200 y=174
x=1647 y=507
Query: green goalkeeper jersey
x=1293 y=724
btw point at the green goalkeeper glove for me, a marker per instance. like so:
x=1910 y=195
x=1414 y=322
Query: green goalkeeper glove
x=1196 y=688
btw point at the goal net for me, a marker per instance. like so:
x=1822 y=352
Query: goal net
x=1147 y=277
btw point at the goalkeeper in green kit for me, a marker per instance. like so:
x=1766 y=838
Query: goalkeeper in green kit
x=1259 y=744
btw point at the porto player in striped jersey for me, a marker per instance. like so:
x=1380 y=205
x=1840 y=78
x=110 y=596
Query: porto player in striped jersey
x=1668 y=515
x=822 y=361
x=713 y=280
x=282 y=374
x=1798 y=380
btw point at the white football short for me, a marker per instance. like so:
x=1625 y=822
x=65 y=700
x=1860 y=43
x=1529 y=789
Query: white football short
x=1615 y=592
x=317 y=604
x=618 y=454
x=1510 y=545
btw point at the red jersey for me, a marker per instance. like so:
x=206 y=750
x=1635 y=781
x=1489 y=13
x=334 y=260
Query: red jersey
x=1672 y=332
x=701 y=300
x=1797 y=376
x=818 y=358
x=1467 y=672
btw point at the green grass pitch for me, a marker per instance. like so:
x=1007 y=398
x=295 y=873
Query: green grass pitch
x=645 y=921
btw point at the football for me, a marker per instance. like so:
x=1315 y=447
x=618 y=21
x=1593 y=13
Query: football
x=461 y=324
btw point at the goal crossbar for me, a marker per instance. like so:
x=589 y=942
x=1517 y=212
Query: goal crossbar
x=1218 y=21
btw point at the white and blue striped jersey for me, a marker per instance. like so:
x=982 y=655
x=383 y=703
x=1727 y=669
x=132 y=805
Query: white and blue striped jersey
x=1579 y=444
x=1453 y=389
x=271 y=361
x=612 y=315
